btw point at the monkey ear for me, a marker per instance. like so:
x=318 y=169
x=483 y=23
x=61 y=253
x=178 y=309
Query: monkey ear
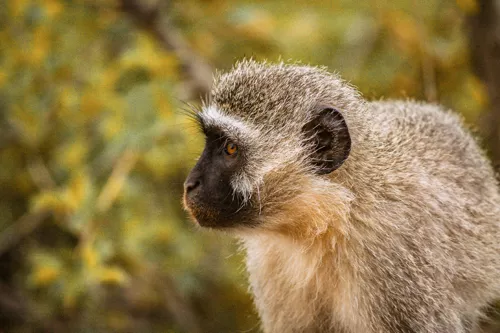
x=329 y=138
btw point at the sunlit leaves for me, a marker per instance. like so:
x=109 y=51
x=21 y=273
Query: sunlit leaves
x=92 y=104
x=53 y=7
x=113 y=276
x=149 y=56
x=28 y=123
x=47 y=267
x=51 y=200
x=468 y=6
x=254 y=22
x=40 y=45
x=17 y=8
x=73 y=154
x=3 y=78
x=405 y=31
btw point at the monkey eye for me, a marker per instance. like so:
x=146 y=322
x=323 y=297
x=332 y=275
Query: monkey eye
x=230 y=148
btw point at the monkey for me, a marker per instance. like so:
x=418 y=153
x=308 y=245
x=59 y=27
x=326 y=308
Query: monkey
x=356 y=216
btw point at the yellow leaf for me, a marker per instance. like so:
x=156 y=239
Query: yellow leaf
x=164 y=106
x=90 y=104
x=53 y=7
x=164 y=235
x=3 y=78
x=260 y=25
x=113 y=276
x=17 y=8
x=73 y=154
x=40 y=45
x=111 y=125
x=107 y=17
x=45 y=275
x=303 y=28
x=68 y=99
x=478 y=90
x=49 y=200
x=28 y=124
x=109 y=77
x=468 y=6
x=147 y=55
x=405 y=30
x=69 y=300
x=90 y=256
x=74 y=290
x=118 y=321
x=157 y=161
x=77 y=191
x=63 y=73
x=205 y=43
x=168 y=66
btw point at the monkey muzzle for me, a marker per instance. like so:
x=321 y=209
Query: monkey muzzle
x=212 y=210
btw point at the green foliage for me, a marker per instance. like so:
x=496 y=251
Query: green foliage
x=96 y=139
x=90 y=132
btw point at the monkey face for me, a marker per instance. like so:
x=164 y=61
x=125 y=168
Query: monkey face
x=271 y=135
x=208 y=194
x=214 y=192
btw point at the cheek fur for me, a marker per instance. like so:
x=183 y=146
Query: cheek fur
x=243 y=185
x=310 y=205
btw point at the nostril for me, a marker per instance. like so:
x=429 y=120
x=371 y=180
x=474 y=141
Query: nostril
x=191 y=185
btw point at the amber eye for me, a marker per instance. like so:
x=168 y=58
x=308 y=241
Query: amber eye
x=230 y=148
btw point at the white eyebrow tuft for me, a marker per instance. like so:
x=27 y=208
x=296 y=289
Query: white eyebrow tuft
x=213 y=117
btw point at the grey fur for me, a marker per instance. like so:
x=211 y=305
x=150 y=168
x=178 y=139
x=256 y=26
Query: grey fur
x=403 y=237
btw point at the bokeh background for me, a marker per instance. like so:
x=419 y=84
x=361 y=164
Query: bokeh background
x=94 y=146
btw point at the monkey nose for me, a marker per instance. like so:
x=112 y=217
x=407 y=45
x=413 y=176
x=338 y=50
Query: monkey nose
x=191 y=184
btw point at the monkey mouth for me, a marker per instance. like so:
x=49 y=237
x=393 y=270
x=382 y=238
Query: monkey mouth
x=205 y=215
x=201 y=214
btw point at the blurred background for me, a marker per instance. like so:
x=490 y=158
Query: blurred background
x=94 y=147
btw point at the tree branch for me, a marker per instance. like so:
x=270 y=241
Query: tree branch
x=484 y=39
x=197 y=72
x=21 y=228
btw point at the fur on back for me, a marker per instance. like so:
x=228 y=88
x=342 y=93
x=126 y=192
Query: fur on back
x=403 y=237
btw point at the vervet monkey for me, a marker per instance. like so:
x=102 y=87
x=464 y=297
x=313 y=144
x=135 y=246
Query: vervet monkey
x=356 y=216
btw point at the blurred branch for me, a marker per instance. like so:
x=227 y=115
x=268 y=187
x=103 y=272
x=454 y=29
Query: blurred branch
x=40 y=174
x=429 y=77
x=484 y=39
x=426 y=56
x=178 y=306
x=21 y=228
x=148 y=15
x=116 y=180
x=29 y=222
x=12 y=305
x=148 y=278
x=7 y=137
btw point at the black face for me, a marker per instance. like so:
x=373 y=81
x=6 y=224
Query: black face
x=207 y=191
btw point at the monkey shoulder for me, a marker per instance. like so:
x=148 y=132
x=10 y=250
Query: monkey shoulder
x=417 y=120
x=421 y=133
x=411 y=152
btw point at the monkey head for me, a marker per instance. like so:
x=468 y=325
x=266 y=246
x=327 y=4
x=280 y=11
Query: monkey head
x=273 y=134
